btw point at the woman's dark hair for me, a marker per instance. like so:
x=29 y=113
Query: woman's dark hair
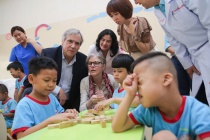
x=114 y=46
x=124 y=7
x=13 y=29
x=123 y=61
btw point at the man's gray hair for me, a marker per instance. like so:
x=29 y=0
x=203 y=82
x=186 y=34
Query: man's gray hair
x=72 y=32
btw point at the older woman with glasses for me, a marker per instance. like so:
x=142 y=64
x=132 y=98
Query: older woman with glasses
x=98 y=85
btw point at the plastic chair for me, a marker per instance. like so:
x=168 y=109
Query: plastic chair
x=9 y=134
x=3 y=128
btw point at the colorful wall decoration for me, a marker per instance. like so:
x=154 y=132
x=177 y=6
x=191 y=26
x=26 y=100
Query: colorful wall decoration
x=39 y=27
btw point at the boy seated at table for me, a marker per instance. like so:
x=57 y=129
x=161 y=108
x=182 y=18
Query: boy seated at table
x=16 y=70
x=8 y=105
x=162 y=107
x=121 y=68
x=40 y=108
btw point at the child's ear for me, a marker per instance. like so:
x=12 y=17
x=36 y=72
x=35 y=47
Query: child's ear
x=31 y=78
x=168 y=78
x=18 y=70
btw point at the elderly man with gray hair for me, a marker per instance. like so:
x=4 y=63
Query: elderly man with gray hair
x=71 y=68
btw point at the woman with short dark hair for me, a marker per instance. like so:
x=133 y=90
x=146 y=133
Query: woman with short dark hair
x=134 y=32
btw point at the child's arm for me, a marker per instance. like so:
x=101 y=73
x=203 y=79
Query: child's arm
x=16 y=95
x=208 y=138
x=54 y=119
x=104 y=104
x=9 y=115
x=122 y=121
x=135 y=101
x=19 y=94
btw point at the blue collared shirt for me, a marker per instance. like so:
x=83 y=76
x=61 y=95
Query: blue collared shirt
x=161 y=6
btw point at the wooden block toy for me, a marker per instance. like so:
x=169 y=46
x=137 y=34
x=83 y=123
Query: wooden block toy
x=87 y=120
x=108 y=119
x=95 y=121
x=102 y=117
x=90 y=111
x=103 y=123
x=78 y=119
x=100 y=113
x=87 y=116
x=65 y=124
x=96 y=112
x=97 y=118
x=1 y=110
x=74 y=122
x=107 y=108
x=52 y=126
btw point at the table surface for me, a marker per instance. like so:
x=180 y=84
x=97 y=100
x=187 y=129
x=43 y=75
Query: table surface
x=86 y=132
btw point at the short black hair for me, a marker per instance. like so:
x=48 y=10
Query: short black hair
x=122 y=61
x=36 y=64
x=114 y=46
x=3 y=88
x=146 y=57
x=15 y=65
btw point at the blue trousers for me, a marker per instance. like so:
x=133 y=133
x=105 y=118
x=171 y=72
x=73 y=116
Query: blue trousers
x=184 y=80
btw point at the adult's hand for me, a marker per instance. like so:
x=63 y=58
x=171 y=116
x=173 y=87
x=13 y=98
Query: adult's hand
x=95 y=99
x=192 y=70
x=62 y=96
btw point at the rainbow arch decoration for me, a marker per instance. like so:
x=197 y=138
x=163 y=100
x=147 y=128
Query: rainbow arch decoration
x=8 y=36
x=39 y=27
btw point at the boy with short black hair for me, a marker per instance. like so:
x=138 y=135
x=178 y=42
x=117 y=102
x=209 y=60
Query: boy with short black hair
x=8 y=105
x=16 y=70
x=121 y=68
x=40 y=108
x=162 y=107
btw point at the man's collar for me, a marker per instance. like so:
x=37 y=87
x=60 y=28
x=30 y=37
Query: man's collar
x=73 y=60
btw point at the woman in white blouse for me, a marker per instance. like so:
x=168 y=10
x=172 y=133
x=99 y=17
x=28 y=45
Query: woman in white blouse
x=98 y=85
x=107 y=46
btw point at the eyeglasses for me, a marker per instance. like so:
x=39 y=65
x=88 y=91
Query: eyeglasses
x=95 y=63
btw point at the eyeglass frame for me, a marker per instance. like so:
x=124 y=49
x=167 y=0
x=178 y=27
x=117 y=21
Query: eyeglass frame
x=95 y=63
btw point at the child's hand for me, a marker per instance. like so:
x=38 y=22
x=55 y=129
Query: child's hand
x=130 y=84
x=61 y=117
x=73 y=111
x=103 y=104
